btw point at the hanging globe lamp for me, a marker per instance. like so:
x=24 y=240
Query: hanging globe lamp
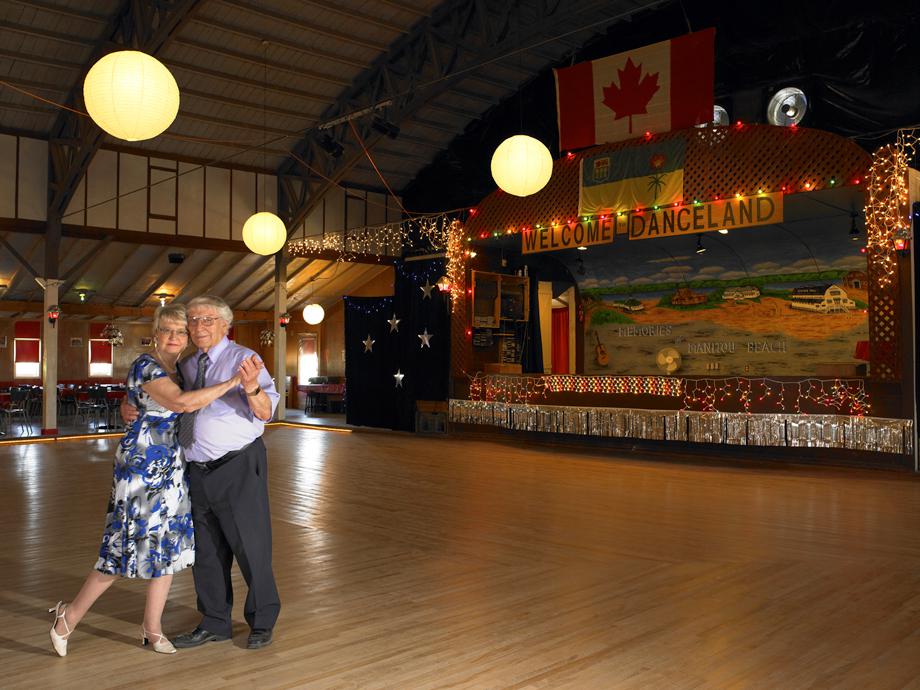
x=131 y=95
x=522 y=165
x=264 y=233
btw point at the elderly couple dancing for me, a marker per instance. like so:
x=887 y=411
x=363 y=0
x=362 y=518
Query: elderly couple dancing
x=191 y=483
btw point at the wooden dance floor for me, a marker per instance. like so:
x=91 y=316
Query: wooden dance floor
x=418 y=562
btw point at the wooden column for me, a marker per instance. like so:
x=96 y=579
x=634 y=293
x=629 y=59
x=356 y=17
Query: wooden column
x=280 y=333
x=49 y=358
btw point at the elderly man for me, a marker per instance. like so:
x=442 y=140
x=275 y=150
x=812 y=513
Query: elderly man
x=228 y=480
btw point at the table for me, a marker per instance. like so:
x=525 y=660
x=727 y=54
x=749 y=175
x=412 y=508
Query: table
x=321 y=395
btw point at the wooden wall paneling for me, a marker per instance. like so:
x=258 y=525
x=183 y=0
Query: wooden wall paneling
x=191 y=199
x=267 y=190
x=8 y=175
x=101 y=189
x=132 y=192
x=217 y=203
x=32 y=197
x=243 y=187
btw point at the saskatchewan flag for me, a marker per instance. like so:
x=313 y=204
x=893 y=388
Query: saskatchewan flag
x=641 y=176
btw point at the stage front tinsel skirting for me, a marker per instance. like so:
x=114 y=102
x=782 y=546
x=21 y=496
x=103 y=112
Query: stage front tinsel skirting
x=738 y=428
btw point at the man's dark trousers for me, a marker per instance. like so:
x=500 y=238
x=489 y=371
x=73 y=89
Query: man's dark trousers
x=230 y=509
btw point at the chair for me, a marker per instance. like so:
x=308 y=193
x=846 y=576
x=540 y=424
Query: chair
x=93 y=406
x=67 y=404
x=19 y=400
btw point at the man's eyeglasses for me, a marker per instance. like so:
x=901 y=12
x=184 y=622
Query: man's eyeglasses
x=202 y=320
x=181 y=332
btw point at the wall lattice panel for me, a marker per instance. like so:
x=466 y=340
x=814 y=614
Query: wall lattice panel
x=720 y=161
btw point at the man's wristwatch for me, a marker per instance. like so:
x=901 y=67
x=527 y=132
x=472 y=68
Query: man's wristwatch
x=255 y=392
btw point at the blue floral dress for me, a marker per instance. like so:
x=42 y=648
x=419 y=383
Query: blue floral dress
x=148 y=528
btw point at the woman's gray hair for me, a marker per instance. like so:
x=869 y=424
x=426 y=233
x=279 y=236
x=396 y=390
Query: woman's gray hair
x=169 y=312
x=223 y=309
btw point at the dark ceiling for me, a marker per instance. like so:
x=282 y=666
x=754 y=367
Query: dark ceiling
x=858 y=63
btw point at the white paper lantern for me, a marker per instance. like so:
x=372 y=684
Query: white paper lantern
x=131 y=95
x=522 y=165
x=264 y=233
x=313 y=314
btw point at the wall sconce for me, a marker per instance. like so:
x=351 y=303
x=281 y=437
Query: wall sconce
x=443 y=284
x=284 y=320
x=902 y=246
x=54 y=313
x=163 y=296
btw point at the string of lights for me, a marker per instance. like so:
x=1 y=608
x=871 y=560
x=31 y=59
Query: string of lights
x=843 y=396
x=381 y=304
x=634 y=385
x=847 y=396
x=887 y=211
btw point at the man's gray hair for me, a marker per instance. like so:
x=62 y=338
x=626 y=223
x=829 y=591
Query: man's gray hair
x=170 y=312
x=223 y=309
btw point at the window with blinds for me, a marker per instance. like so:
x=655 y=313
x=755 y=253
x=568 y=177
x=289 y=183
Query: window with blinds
x=27 y=350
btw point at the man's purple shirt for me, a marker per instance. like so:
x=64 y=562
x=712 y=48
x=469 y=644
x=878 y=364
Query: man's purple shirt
x=226 y=424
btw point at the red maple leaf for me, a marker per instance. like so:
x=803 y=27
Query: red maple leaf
x=632 y=95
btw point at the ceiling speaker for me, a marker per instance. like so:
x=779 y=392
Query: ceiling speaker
x=787 y=107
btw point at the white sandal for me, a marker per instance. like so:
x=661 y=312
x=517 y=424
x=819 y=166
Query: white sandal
x=161 y=644
x=59 y=642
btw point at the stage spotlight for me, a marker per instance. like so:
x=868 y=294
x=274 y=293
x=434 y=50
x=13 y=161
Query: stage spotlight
x=787 y=107
x=719 y=117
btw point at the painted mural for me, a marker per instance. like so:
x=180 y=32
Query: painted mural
x=781 y=300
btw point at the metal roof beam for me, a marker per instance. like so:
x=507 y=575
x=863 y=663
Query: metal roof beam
x=145 y=25
x=304 y=25
x=460 y=38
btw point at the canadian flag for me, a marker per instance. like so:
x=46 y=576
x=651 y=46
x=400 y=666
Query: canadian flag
x=656 y=88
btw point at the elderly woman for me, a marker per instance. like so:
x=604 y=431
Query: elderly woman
x=148 y=529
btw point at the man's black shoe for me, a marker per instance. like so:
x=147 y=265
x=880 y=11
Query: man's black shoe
x=197 y=637
x=258 y=638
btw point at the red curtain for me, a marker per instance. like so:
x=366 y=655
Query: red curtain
x=27 y=329
x=27 y=350
x=561 y=341
x=100 y=352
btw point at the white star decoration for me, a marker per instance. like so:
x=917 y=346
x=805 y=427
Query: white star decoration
x=369 y=344
x=425 y=338
x=399 y=376
x=394 y=324
x=426 y=289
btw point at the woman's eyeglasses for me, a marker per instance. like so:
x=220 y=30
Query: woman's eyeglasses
x=181 y=332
